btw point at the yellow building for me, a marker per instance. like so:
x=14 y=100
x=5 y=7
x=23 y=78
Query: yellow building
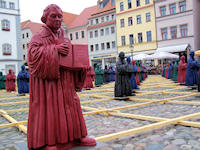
x=136 y=28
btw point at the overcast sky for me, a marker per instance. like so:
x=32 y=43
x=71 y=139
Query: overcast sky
x=33 y=9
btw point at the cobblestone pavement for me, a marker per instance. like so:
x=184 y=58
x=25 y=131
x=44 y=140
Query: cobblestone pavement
x=171 y=137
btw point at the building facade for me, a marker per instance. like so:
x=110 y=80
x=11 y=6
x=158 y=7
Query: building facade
x=136 y=29
x=28 y=29
x=102 y=40
x=175 y=25
x=10 y=44
x=77 y=30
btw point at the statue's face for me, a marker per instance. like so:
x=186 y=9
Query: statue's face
x=54 y=19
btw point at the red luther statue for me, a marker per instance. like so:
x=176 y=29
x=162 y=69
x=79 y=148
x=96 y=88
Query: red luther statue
x=10 y=81
x=182 y=67
x=55 y=118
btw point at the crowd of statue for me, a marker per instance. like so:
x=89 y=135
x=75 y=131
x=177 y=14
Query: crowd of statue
x=8 y=81
x=184 y=73
x=127 y=75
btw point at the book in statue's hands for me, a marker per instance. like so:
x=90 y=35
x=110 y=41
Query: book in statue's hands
x=77 y=57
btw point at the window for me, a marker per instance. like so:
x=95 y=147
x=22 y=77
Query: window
x=113 y=17
x=148 y=17
x=5 y=25
x=121 y=6
x=102 y=19
x=172 y=8
x=121 y=22
x=123 y=41
x=139 y=20
x=108 y=45
x=91 y=34
x=24 y=57
x=96 y=47
x=184 y=30
x=11 y=5
x=96 y=33
x=140 y=40
x=91 y=22
x=76 y=35
x=163 y=11
x=102 y=46
x=27 y=35
x=6 y=49
x=71 y=36
x=101 y=5
x=112 y=2
x=149 y=37
x=3 y=4
x=113 y=44
x=130 y=21
x=27 y=45
x=164 y=33
x=97 y=21
x=147 y=1
x=137 y=3
x=131 y=41
x=173 y=32
x=102 y=32
x=82 y=34
x=107 y=18
x=112 y=30
x=23 y=46
x=129 y=4
x=107 y=31
x=182 y=6
x=91 y=48
x=23 y=36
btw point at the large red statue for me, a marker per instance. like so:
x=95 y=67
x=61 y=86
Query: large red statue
x=55 y=118
x=182 y=67
x=10 y=81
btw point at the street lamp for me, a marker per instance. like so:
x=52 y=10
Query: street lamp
x=131 y=47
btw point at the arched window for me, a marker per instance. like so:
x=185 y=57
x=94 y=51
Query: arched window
x=6 y=49
x=5 y=25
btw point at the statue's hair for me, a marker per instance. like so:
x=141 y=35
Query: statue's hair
x=47 y=11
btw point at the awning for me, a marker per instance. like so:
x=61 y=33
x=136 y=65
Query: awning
x=173 y=49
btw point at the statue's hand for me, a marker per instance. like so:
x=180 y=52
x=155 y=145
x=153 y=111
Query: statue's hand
x=63 y=49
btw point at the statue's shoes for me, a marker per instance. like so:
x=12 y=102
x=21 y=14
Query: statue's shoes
x=86 y=141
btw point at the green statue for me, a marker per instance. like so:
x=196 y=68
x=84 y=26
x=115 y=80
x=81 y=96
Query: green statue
x=175 y=70
x=98 y=75
x=2 y=81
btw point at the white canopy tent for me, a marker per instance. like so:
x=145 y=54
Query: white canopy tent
x=140 y=56
x=163 y=55
x=172 y=49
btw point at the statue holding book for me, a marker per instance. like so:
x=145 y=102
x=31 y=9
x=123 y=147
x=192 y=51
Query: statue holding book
x=55 y=116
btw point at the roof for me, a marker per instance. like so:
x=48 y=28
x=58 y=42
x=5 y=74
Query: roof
x=82 y=19
x=108 y=7
x=176 y=48
x=33 y=26
x=68 y=18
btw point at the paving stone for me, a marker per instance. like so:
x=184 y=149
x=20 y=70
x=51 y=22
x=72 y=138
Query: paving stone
x=154 y=147
x=179 y=142
x=186 y=147
x=171 y=147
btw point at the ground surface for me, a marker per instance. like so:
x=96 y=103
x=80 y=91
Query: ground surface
x=154 y=88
